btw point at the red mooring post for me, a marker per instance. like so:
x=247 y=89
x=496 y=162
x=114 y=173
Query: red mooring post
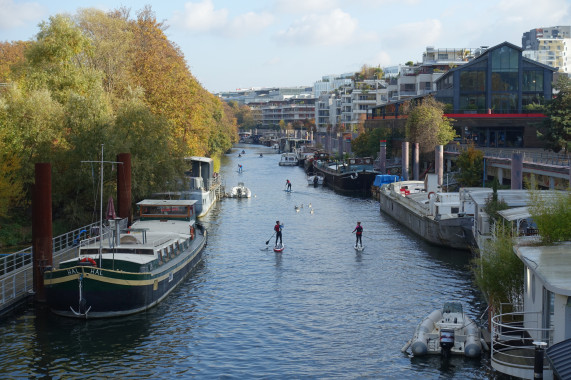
x=124 y=186
x=42 y=227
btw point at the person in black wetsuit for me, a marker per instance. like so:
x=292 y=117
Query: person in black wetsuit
x=278 y=229
x=288 y=184
x=359 y=234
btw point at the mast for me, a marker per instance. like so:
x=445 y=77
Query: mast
x=101 y=210
x=101 y=162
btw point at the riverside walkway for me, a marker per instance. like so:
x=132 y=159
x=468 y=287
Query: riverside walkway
x=551 y=170
x=16 y=270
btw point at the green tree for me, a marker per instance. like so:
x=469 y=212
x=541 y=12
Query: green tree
x=471 y=165
x=427 y=125
x=556 y=131
x=111 y=39
x=368 y=144
x=11 y=186
x=30 y=128
x=498 y=271
x=551 y=215
x=56 y=60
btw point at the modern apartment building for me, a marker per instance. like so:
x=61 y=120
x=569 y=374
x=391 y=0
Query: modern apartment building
x=293 y=112
x=550 y=46
x=530 y=40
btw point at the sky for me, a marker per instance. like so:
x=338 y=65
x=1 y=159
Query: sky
x=239 y=44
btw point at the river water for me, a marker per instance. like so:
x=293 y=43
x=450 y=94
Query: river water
x=318 y=310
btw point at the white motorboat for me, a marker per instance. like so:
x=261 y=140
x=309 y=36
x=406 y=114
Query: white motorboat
x=240 y=191
x=288 y=159
x=315 y=179
x=447 y=331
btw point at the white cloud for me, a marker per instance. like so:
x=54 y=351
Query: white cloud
x=274 y=61
x=248 y=23
x=305 y=6
x=525 y=12
x=14 y=15
x=383 y=58
x=333 y=28
x=202 y=17
x=381 y=3
x=413 y=37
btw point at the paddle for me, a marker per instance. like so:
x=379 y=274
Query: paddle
x=268 y=242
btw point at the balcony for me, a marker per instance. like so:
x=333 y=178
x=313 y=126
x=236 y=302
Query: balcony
x=513 y=351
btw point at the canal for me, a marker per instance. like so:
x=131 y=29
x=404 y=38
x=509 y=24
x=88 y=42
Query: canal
x=317 y=310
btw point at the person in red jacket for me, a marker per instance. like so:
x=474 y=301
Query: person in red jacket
x=359 y=234
x=278 y=229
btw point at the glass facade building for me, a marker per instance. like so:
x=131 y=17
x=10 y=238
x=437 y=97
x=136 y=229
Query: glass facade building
x=499 y=81
x=495 y=98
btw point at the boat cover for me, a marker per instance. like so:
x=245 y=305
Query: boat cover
x=382 y=179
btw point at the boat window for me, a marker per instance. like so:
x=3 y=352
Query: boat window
x=95 y=251
x=164 y=210
x=452 y=307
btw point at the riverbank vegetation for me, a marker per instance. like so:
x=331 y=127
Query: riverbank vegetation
x=497 y=270
x=100 y=78
x=552 y=216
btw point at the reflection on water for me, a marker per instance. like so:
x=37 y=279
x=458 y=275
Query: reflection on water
x=317 y=310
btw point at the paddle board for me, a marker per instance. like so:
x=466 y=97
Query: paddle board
x=279 y=248
x=359 y=248
x=288 y=191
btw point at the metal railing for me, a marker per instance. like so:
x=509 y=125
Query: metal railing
x=537 y=157
x=16 y=271
x=512 y=348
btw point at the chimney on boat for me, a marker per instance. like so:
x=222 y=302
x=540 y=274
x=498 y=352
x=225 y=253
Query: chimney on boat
x=439 y=163
x=41 y=227
x=124 y=186
x=416 y=161
x=405 y=160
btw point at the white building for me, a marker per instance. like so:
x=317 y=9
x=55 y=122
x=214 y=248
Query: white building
x=549 y=46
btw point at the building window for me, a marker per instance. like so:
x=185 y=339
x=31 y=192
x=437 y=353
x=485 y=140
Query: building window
x=504 y=102
x=532 y=80
x=505 y=59
x=472 y=81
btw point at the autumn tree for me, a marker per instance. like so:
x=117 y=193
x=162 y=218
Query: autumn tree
x=11 y=54
x=471 y=164
x=427 y=125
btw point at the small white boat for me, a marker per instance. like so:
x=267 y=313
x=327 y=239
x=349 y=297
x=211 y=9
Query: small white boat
x=315 y=179
x=240 y=191
x=447 y=331
x=288 y=159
